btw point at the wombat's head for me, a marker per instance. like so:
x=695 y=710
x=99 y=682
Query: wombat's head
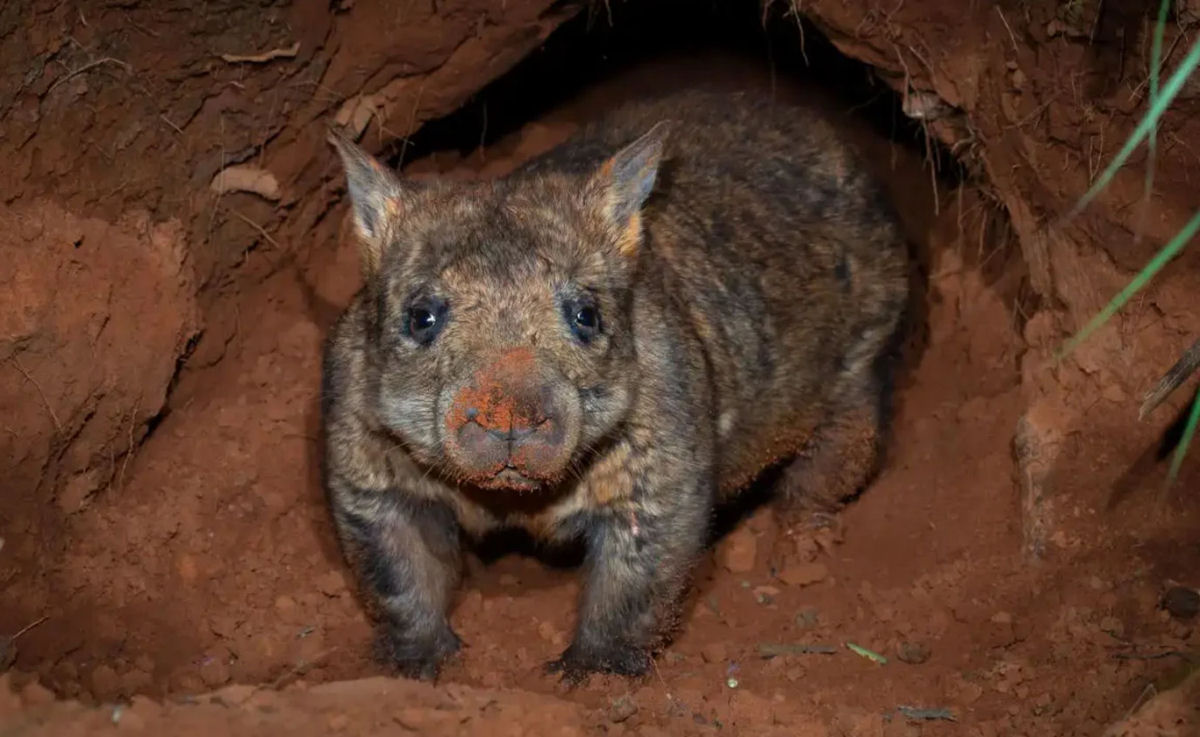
x=500 y=312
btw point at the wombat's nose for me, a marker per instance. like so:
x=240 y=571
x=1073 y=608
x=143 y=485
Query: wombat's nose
x=509 y=433
x=505 y=423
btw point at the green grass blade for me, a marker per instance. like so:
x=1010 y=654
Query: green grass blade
x=1155 y=62
x=1161 y=103
x=1189 y=431
x=1160 y=260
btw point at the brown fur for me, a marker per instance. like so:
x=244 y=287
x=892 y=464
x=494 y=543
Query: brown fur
x=747 y=281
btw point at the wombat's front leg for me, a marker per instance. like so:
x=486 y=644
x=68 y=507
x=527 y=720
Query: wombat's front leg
x=640 y=552
x=408 y=557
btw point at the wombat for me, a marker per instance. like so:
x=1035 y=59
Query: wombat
x=600 y=347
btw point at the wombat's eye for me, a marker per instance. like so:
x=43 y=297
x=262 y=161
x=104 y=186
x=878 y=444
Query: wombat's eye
x=584 y=318
x=425 y=319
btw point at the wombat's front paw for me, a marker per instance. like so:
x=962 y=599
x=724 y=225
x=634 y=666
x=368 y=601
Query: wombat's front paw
x=578 y=662
x=417 y=656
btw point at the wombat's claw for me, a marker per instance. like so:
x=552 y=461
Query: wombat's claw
x=420 y=660
x=576 y=665
x=568 y=674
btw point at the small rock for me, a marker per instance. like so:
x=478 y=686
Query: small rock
x=507 y=579
x=969 y=693
x=765 y=594
x=1182 y=602
x=714 y=652
x=804 y=574
x=105 y=682
x=622 y=709
x=739 y=551
x=913 y=653
x=214 y=673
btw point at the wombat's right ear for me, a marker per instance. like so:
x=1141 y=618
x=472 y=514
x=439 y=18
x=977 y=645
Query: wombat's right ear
x=625 y=181
x=376 y=196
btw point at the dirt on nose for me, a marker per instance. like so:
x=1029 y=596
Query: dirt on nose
x=496 y=397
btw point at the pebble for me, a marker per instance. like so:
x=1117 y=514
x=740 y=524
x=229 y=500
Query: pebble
x=765 y=594
x=105 y=682
x=913 y=653
x=804 y=574
x=714 y=652
x=214 y=673
x=622 y=708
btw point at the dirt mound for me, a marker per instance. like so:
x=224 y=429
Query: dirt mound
x=366 y=706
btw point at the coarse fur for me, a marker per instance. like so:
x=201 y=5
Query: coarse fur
x=745 y=280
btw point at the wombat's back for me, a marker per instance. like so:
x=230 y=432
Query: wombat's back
x=767 y=231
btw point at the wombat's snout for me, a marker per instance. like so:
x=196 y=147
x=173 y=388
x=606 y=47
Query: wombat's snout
x=508 y=426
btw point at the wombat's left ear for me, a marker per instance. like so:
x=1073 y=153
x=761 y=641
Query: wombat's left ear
x=376 y=195
x=623 y=183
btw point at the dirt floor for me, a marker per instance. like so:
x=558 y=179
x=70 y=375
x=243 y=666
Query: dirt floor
x=200 y=587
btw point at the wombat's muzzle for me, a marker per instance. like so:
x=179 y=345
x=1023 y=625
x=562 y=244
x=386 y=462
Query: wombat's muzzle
x=511 y=425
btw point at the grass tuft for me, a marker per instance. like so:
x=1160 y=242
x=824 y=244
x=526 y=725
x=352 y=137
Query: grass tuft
x=1158 y=102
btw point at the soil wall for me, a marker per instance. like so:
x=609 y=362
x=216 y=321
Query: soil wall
x=126 y=255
